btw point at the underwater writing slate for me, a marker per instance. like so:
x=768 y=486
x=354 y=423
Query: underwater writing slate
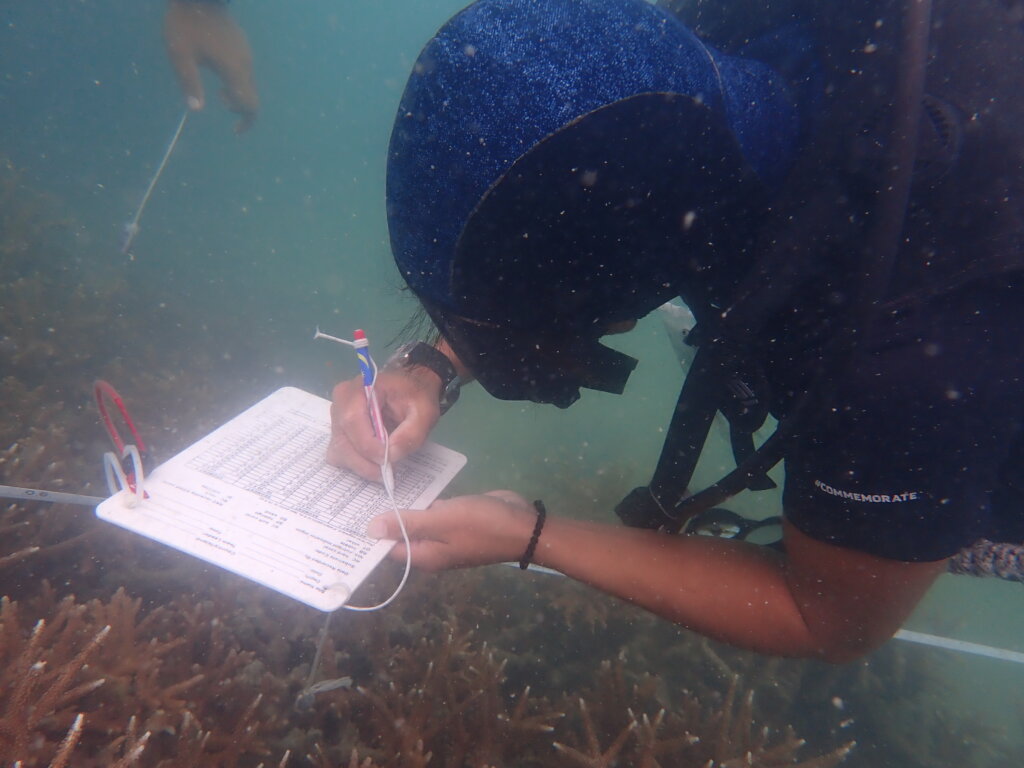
x=256 y=497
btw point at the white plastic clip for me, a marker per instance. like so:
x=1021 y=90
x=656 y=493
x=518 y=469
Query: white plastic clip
x=117 y=480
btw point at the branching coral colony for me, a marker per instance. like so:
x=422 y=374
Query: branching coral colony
x=189 y=667
x=102 y=683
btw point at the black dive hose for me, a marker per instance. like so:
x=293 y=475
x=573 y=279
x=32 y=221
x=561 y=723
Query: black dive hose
x=879 y=257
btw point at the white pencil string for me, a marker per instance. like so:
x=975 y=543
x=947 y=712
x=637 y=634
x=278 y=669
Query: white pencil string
x=389 y=489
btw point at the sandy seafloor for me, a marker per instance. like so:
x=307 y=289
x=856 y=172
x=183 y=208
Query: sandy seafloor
x=260 y=238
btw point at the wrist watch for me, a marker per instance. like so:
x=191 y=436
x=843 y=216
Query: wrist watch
x=423 y=355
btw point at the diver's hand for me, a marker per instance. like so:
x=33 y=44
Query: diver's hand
x=465 y=531
x=204 y=34
x=410 y=405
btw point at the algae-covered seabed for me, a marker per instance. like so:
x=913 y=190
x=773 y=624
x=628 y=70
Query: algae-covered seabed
x=247 y=245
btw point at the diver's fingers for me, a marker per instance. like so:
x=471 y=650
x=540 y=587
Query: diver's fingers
x=341 y=453
x=430 y=548
x=409 y=412
x=183 y=57
x=419 y=525
x=244 y=123
x=239 y=95
x=460 y=532
x=231 y=59
x=411 y=431
x=411 y=407
x=190 y=81
x=353 y=444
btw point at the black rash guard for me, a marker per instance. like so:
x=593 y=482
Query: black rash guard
x=919 y=450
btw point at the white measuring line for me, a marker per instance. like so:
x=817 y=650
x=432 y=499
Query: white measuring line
x=56 y=497
x=959 y=645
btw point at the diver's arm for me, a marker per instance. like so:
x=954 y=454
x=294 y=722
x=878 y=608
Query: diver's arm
x=817 y=601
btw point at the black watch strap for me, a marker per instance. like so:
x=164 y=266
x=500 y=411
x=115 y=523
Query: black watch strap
x=419 y=353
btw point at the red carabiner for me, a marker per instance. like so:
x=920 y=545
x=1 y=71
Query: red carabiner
x=103 y=391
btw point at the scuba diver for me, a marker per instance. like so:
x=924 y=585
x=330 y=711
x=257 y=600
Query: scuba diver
x=201 y=33
x=841 y=217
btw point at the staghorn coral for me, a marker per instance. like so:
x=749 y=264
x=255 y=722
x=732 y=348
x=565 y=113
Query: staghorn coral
x=320 y=760
x=192 y=696
x=68 y=684
x=446 y=702
x=643 y=733
x=39 y=676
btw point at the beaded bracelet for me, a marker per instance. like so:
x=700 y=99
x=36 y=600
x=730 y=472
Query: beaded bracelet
x=542 y=513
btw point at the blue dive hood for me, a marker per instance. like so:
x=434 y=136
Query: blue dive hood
x=556 y=164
